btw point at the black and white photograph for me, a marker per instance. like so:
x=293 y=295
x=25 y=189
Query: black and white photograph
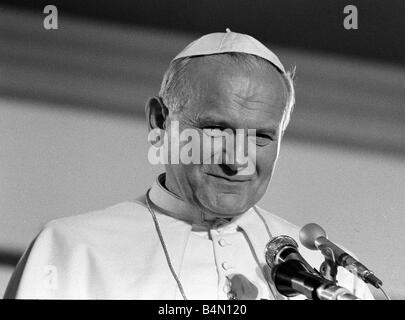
x=202 y=150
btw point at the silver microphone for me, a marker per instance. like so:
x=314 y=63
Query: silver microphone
x=313 y=237
x=284 y=248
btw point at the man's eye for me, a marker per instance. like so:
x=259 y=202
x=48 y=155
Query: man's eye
x=262 y=139
x=213 y=131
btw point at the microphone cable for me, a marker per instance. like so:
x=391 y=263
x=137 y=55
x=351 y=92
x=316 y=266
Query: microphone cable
x=387 y=297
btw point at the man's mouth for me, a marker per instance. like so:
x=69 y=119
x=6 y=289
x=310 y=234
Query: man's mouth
x=230 y=179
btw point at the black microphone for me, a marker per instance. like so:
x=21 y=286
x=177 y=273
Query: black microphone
x=292 y=275
x=283 y=248
x=314 y=237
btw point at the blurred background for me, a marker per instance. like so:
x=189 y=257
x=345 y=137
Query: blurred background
x=73 y=135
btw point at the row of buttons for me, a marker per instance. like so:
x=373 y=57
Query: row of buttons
x=225 y=265
x=223 y=243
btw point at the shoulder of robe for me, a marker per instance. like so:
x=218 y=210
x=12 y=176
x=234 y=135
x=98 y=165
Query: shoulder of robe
x=70 y=248
x=127 y=219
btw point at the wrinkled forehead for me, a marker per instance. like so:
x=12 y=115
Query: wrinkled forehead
x=218 y=70
x=254 y=93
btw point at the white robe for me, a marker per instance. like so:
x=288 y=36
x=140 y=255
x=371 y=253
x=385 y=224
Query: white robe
x=116 y=253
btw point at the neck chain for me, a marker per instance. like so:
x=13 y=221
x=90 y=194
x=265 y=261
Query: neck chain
x=164 y=246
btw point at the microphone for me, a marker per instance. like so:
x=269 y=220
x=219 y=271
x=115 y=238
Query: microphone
x=313 y=237
x=292 y=275
x=283 y=248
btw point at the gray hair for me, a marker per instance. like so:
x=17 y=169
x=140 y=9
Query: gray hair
x=175 y=89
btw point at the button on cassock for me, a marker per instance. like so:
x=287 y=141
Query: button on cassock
x=222 y=242
x=226 y=265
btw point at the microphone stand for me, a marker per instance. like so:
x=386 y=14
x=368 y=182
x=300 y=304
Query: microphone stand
x=328 y=268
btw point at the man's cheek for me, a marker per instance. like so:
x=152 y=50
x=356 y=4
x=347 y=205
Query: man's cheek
x=265 y=162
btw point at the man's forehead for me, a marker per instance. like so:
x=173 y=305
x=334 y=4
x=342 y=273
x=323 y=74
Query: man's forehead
x=224 y=72
x=215 y=84
x=225 y=95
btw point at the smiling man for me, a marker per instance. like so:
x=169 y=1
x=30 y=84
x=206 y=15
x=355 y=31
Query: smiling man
x=197 y=232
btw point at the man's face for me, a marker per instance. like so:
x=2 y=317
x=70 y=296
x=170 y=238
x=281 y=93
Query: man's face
x=228 y=97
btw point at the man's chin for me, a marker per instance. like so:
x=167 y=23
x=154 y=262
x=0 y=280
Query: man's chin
x=227 y=205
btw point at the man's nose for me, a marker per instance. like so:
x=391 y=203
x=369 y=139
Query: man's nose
x=236 y=157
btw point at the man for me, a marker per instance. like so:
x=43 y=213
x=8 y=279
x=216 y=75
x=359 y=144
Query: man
x=197 y=232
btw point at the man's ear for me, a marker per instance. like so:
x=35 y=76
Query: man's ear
x=156 y=113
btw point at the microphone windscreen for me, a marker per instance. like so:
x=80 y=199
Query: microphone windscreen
x=309 y=233
x=275 y=245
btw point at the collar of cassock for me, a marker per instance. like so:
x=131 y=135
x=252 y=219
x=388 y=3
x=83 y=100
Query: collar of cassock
x=170 y=204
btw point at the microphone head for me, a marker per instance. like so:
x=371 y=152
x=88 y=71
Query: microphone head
x=275 y=245
x=309 y=233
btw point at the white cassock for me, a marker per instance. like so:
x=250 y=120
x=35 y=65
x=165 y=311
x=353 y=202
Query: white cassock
x=116 y=253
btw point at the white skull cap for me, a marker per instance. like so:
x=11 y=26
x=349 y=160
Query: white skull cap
x=221 y=42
